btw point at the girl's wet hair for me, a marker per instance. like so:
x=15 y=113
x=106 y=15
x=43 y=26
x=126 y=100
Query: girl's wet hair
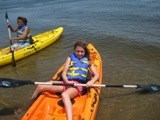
x=84 y=46
x=23 y=19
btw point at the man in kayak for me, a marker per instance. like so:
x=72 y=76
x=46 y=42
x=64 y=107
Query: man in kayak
x=23 y=34
x=75 y=70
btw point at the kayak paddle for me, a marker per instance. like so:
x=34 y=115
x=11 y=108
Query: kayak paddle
x=10 y=83
x=11 y=47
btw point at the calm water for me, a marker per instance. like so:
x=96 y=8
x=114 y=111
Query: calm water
x=125 y=32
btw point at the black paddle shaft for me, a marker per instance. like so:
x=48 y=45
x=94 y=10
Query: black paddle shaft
x=148 y=88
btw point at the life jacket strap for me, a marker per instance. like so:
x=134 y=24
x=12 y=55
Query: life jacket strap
x=78 y=68
x=76 y=74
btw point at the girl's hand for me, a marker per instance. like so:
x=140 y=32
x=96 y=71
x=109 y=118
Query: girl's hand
x=90 y=83
x=69 y=82
x=13 y=39
x=9 y=26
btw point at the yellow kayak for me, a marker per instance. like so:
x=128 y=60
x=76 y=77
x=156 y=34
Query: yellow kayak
x=50 y=106
x=41 y=41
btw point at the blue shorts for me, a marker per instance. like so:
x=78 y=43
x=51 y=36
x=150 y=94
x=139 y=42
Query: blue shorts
x=21 y=44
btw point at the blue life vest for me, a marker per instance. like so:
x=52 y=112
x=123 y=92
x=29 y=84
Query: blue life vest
x=78 y=68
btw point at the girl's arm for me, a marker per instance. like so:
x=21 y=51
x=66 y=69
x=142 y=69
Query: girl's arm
x=23 y=36
x=12 y=29
x=65 y=69
x=95 y=76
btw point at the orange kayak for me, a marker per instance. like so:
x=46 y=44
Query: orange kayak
x=50 y=106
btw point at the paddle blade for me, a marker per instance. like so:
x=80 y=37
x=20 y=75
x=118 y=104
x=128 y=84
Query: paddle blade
x=10 y=83
x=150 y=88
x=6 y=15
x=13 y=59
x=14 y=64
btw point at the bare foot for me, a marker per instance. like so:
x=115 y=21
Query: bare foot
x=19 y=113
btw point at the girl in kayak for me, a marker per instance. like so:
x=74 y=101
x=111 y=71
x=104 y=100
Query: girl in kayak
x=23 y=34
x=75 y=70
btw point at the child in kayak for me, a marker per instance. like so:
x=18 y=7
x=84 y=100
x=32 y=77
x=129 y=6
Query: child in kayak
x=75 y=70
x=23 y=34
